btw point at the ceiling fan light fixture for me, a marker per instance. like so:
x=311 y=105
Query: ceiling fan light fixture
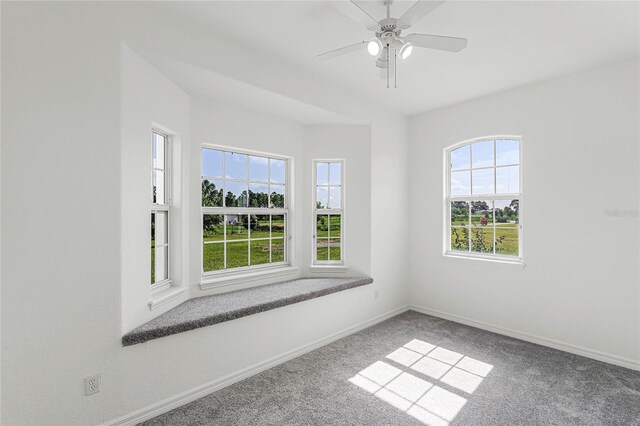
x=406 y=50
x=373 y=47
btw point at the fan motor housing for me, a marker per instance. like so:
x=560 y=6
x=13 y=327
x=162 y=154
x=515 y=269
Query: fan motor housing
x=388 y=24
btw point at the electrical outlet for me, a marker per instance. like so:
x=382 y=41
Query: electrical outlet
x=92 y=384
x=375 y=294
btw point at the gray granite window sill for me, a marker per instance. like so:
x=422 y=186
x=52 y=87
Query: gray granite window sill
x=209 y=310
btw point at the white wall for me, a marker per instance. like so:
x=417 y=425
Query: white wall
x=63 y=174
x=580 y=147
x=353 y=145
x=232 y=126
x=149 y=100
x=60 y=210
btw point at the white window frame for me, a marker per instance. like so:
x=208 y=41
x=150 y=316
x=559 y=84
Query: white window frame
x=274 y=211
x=448 y=199
x=330 y=211
x=166 y=207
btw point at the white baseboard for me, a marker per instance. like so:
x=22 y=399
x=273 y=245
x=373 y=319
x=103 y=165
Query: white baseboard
x=175 y=401
x=567 y=347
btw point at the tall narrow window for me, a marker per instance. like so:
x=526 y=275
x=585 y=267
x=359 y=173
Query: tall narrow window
x=160 y=211
x=328 y=215
x=483 y=199
x=245 y=208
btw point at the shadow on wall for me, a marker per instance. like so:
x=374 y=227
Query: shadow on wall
x=422 y=399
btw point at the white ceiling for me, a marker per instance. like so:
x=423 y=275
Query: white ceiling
x=511 y=43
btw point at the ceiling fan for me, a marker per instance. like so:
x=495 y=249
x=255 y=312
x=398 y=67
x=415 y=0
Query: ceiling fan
x=388 y=43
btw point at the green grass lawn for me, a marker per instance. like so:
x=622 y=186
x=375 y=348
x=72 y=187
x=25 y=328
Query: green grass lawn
x=476 y=219
x=153 y=261
x=238 y=253
x=328 y=249
x=328 y=233
x=508 y=245
x=328 y=226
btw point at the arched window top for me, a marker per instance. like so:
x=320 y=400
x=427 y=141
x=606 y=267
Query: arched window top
x=484 y=192
x=485 y=166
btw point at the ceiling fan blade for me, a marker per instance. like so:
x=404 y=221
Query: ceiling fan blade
x=343 y=50
x=356 y=12
x=419 y=10
x=450 y=44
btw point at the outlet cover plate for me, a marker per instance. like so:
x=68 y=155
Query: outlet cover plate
x=92 y=384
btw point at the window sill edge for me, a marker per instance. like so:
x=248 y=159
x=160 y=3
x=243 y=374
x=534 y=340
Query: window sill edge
x=224 y=281
x=165 y=296
x=510 y=264
x=329 y=269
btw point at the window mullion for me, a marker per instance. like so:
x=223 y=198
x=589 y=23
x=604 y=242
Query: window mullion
x=224 y=187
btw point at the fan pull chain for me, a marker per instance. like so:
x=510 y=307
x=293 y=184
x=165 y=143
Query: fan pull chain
x=388 y=66
x=395 y=69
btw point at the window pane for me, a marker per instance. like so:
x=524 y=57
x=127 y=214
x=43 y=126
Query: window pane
x=482 y=213
x=507 y=212
x=212 y=257
x=237 y=254
x=278 y=250
x=335 y=174
x=236 y=195
x=258 y=195
x=335 y=200
x=460 y=183
x=277 y=196
x=335 y=253
x=160 y=228
x=161 y=263
x=482 y=181
x=237 y=226
x=153 y=229
x=507 y=152
x=322 y=249
x=260 y=226
x=459 y=213
x=211 y=163
x=508 y=180
x=482 y=154
x=212 y=227
x=212 y=193
x=482 y=239
x=260 y=252
x=158 y=187
x=158 y=151
x=235 y=165
x=335 y=225
x=278 y=225
x=460 y=239
x=460 y=158
x=258 y=168
x=322 y=197
x=153 y=263
x=277 y=170
x=322 y=226
x=507 y=241
x=322 y=173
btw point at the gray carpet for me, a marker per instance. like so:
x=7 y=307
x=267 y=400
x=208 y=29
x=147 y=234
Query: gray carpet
x=415 y=369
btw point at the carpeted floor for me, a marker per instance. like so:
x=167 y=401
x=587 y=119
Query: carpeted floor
x=415 y=369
